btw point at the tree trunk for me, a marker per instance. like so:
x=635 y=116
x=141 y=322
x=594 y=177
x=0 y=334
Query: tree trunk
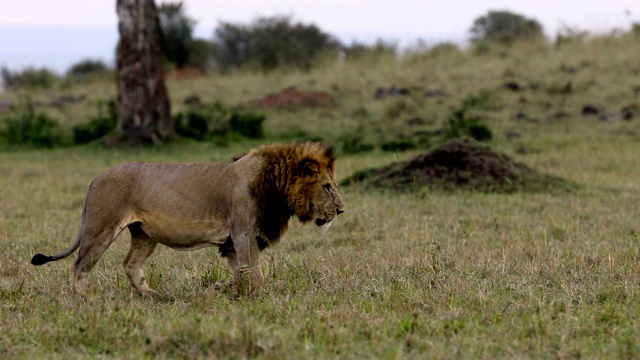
x=144 y=112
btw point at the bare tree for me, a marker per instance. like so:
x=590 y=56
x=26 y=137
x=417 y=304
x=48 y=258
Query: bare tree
x=144 y=112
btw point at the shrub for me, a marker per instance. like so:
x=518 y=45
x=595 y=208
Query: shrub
x=216 y=122
x=462 y=122
x=269 y=43
x=87 y=67
x=203 y=123
x=247 y=124
x=194 y=124
x=445 y=48
x=398 y=145
x=381 y=49
x=177 y=31
x=201 y=53
x=396 y=108
x=30 y=78
x=353 y=144
x=28 y=128
x=481 y=100
x=179 y=47
x=482 y=47
x=480 y=132
x=505 y=27
x=99 y=126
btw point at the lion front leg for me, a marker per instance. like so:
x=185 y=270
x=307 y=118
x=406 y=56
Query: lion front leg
x=247 y=273
x=248 y=280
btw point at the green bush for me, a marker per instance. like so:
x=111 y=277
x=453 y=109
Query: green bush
x=29 y=78
x=193 y=123
x=201 y=53
x=99 y=126
x=480 y=132
x=381 y=49
x=462 y=122
x=398 y=145
x=247 y=124
x=481 y=100
x=445 y=49
x=505 y=27
x=208 y=123
x=25 y=127
x=269 y=43
x=217 y=123
x=179 y=46
x=87 y=67
x=353 y=144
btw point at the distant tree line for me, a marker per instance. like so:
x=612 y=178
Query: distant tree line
x=273 y=42
x=265 y=44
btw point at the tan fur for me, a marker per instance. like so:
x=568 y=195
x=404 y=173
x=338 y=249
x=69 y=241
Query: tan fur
x=242 y=207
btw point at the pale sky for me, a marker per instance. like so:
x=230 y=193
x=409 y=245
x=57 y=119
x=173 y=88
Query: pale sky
x=58 y=33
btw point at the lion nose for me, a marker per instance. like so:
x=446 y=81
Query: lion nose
x=339 y=211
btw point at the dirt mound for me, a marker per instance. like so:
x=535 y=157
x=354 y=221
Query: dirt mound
x=291 y=98
x=459 y=164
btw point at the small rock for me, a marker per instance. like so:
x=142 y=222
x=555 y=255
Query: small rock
x=512 y=85
x=521 y=115
x=628 y=112
x=434 y=93
x=591 y=109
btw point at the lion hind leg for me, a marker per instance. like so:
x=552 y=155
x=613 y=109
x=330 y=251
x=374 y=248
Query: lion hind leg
x=94 y=240
x=89 y=254
x=141 y=248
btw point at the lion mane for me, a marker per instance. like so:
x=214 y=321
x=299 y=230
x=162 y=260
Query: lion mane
x=242 y=207
x=282 y=189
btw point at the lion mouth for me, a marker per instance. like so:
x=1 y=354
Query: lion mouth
x=322 y=222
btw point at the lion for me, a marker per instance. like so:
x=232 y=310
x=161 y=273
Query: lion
x=242 y=207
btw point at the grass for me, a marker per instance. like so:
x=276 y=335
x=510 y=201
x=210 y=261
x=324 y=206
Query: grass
x=450 y=275
x=443 y=275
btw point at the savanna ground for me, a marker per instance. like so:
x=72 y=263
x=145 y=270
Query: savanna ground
x=399 y=275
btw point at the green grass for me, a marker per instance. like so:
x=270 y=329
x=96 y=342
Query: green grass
x=442 y=275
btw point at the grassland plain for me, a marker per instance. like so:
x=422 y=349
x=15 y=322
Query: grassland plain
x=436 y=275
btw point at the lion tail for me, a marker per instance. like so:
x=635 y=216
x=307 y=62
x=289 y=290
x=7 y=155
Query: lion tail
x=41 y=259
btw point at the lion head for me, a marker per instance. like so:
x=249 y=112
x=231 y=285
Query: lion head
x=314 y=194
x=317 y=197
x=297 y=179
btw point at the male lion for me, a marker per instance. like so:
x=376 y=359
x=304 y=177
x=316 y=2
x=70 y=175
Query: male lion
x=242 y=207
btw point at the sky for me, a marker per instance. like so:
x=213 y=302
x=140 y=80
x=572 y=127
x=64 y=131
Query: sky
x=57 y=34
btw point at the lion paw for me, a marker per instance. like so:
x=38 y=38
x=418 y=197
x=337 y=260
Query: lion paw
x=146 y=291
x=223 y=285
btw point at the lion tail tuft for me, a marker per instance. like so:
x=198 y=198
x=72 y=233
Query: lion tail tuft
x=40 y=259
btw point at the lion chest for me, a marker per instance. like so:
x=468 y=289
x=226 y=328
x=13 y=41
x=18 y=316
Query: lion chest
x=185 y=234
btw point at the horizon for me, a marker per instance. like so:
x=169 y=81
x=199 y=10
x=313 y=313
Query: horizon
x=37 y=36
x=60 y=51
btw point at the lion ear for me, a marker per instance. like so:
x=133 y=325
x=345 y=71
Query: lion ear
x=309 y=167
